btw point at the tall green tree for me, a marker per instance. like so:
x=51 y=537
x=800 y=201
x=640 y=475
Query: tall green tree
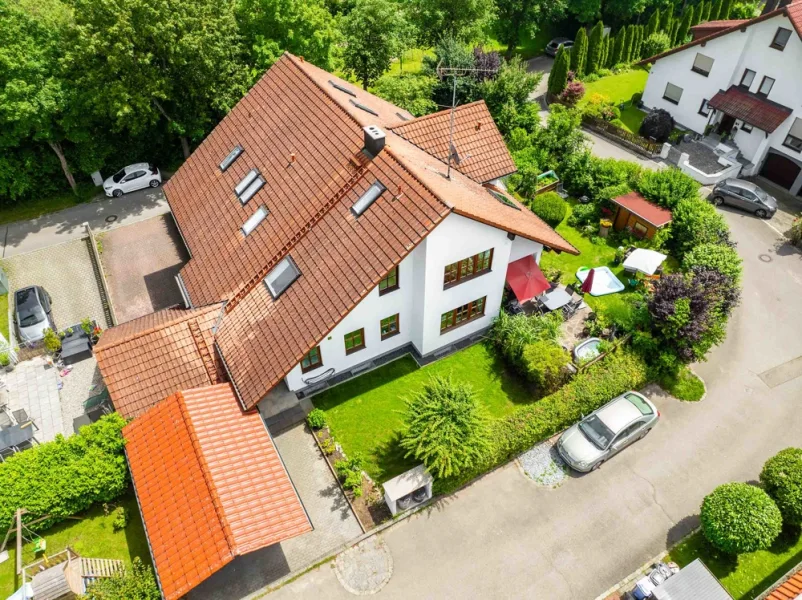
x=696 y=14
x=579 y=52
x=611 y=42
x=585 y=11
x=516 y=17
x=726 y=8
x=618 y=48
x=558 y=76
x=706 y=13
x=140 y=61
x=623 y=11
x=684 y=27
x=303 y=27
x=595 y=48
x=654 y=23
x=715 y=11
x=463 y=20
x=605 y=51
x=666 y=17
x=371 y=38
x=629 y=38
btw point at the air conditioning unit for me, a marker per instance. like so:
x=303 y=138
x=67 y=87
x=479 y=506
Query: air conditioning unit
x=408 y=489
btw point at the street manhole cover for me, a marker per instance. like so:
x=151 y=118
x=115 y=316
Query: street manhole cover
x=765 y=258
x=111 y=218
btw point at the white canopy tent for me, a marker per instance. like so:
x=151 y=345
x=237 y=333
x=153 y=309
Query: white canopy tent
x=643 y=260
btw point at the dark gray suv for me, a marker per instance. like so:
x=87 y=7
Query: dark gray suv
x=746 y=196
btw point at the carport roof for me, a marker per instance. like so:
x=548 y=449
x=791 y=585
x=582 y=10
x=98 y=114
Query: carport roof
x=210 y=485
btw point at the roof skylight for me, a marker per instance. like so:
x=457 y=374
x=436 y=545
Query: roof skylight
x=503 y=199
x=342 y=88
x=369 y=197
x=281 y=277
x=249 y=191
x=232 y=156
x=365 y=108
x=246 y=181
x=254 y=220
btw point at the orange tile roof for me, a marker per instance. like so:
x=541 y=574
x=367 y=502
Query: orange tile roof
x=648 y=211
x=790 y=589
x=210 y=485
x=483 y=155
x=286 y=124
x=147 y=359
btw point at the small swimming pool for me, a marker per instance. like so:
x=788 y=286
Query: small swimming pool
x=587 y=350
x=604 y=282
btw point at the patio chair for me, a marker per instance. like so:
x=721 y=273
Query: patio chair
x=5 y=420
x=6 y=452
x=21 y=416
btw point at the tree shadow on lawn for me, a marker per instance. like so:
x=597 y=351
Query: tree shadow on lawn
x=390 y=460
x=788 y=538
x=516 y=388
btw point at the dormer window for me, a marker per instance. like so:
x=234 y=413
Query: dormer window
x=369 y=197
x=254 y=220
x=281 y=277
x=702 y=64
x=232 y=156
x=780 y=39
x=250 y=184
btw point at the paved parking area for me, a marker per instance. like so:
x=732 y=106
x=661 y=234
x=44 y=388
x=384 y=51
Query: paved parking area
x=67 y=272
x=141 y=262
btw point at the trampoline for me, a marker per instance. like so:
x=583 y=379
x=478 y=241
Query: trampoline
x=604 y=282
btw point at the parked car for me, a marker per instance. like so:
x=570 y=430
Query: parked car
x=744 y=195
x=554 y=45
x=607 y=431
x=32 y=310
x=131 y=178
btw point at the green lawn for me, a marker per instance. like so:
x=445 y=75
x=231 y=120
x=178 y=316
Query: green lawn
x=91 y=536
x=746 y=576
x=366 y=414
x=4 y=317
x=619 y=88
x=632 y=117
x=32 y=209
x=411 y=61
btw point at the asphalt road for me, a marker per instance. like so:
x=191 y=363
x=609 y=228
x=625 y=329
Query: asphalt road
x=55 y=228
x=506 y=537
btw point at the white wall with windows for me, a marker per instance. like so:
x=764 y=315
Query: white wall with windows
x=422 y=297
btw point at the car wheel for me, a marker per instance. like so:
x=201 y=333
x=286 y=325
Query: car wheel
x=154 y=183
x=760 y=213
x=718 y=201
x=117 y=193
x=597 y=465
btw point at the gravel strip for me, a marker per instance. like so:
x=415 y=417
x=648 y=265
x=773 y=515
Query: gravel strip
x=77 y=389
x=543 y=465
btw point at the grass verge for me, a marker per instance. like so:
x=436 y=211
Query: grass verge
x=366 y=414
x=33 y=209
x=745 y=576
x=685 y=386
x=619 y=88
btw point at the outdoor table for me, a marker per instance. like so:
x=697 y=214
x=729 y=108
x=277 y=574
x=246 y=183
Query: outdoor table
x=15 y=435
x=556 y=299
x=75 y=346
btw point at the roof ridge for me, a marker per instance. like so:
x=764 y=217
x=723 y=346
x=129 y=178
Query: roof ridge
x=190 y=314
x=207 y=475
x=406 y=168
x=434 y=114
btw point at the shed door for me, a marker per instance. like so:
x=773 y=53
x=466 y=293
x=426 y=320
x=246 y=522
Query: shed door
x=780 y=170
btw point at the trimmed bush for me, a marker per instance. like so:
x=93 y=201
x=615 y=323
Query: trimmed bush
x=584 y=214
x=65 y=476
x=715 y=257
x=782 y=479
x=695 y=222
x=528 y=425
x=739 y=518
x=316 y=418
x=656 y=43
x=572 y=93
x=667 y=187
x=446 y=427
x=549 y=207
x=544 y=365
x=657 y=125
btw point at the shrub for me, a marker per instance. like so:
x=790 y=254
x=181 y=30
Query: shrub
x=657 y=43
x=558 y=77
x=446 y=427
x=593 y=77
x=549 y=207
x=533 y=423
x=62 y=477
x=5 y=359
x=316 y=418
x=636 y=98
x=781 y=477
x=738 y=518
x=544 y=365
x=667 y=187
x=510 y=334
x=572 y=93
x=350 y=473
x=796 y=231
x=138 y=583
x=657 y=125
x=715 y=257
x=52 y=341
x=696 y=222
x=121 y=518
x=583 y=214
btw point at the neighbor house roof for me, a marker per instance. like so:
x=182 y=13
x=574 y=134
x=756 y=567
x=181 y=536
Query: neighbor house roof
x=710 y=27
x=793 y=11
x=640 y=206
x=145 y=360
x=751 y=108
x=210 y=485
x=789 y=589
x=302 y=128
x=479 y=150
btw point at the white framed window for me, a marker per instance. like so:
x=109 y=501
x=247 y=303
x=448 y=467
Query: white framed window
x=253 y=221
x=794 y=138
x=702 y=64
x=673 y=93
x=281 y=276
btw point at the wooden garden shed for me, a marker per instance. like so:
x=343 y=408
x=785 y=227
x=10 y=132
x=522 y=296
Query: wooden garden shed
x=635 y=212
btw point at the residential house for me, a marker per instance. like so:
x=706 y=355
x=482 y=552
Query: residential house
x=740 y=79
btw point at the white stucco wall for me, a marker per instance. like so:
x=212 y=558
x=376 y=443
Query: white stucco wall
x=421 y=300
x=733 y=53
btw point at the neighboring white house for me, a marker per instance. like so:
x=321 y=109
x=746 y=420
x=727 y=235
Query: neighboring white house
x=743 y=80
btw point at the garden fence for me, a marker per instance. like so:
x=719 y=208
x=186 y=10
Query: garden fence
x=631 y=140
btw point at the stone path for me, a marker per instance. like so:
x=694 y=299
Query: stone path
x=33 y=385
x=365 y=568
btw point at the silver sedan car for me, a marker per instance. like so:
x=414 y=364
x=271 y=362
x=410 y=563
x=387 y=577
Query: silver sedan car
x=607 y=431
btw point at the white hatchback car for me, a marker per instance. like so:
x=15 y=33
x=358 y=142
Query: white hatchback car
x=133 y=177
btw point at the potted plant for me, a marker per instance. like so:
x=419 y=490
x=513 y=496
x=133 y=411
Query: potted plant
x=5 y=361
x=604 y=227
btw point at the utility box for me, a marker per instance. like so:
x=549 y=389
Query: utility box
x=97 y=178
x=408 y=489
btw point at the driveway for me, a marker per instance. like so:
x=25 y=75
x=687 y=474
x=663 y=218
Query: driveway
x=542 y=64
x=141 y=262
x=506 y=537
x=102 y=214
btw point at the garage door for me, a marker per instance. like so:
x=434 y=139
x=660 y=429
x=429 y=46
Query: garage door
x=780 y=170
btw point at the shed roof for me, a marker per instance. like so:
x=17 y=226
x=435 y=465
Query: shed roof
x=750 y=108
x=635 y=203
x=210 y=485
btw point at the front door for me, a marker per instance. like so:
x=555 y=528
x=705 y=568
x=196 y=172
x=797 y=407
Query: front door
x=779 y=169
x=725 y=125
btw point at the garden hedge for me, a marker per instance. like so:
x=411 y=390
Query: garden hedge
x=65 y=476
x=549 y=207
x=782 y=479
x=528 y=425
x=739 y=518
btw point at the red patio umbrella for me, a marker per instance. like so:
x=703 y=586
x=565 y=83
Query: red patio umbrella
x=526 y=279
x=587 y=285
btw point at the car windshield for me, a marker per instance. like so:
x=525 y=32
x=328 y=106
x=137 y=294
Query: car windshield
x=28 y=308
x=596 y=431
x=118 y=176
x=760 y=193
